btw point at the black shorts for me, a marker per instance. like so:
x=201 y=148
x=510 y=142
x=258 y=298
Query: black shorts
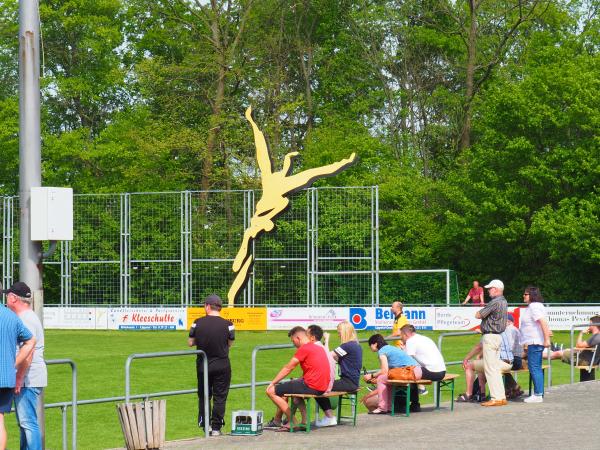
x=296 y=386
x=433 y=376
x=6 y=399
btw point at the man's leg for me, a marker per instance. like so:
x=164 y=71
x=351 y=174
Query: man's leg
x=469 y=377
x=2 y=433
x=220 y=381
x=280 y=402
x=25 y=406
x=491 y=365
x=6 y=399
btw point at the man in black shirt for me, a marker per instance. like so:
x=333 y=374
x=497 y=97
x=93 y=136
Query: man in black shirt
x=214 y=335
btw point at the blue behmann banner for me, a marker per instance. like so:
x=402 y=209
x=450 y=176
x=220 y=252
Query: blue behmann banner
x=376 y=318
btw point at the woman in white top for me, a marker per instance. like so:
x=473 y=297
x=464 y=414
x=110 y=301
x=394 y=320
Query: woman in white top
x=535 y=334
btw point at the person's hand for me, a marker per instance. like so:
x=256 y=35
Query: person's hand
x=547 y=342
x=465 y=363
x=326 y=336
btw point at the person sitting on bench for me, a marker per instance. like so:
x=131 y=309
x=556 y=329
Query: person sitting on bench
x=426 y=353
x=585 y=356
x=476 y=366
x=315 y=380
x=395 y=364
x=349 y=357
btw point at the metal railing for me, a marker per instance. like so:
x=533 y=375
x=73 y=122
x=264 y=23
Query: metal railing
x=64 y=406
x=165 y=354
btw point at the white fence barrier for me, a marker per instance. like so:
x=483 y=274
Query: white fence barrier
x=363 y=318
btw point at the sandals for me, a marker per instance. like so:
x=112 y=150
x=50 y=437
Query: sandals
x=378 y=411
x=464 y=398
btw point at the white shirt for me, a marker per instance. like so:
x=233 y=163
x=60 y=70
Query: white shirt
x=531 y=330
x=425 y=352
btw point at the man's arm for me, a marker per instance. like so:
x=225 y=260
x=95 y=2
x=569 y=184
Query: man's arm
x=25 y=352
x=580 y=342
x=285 y=371
x=22 y=371
x=467 y=298
x=485 y=311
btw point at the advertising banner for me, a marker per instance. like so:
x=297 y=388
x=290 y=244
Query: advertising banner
x=244 y=319
x=376 y=318
x=147 y=318
x=70 y=318
x=287 y=318
x=456 y=319
x=462 y=318
x=562 y=317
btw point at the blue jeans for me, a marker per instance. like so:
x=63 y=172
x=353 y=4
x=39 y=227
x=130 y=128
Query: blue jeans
x=534 y=361
x=25 y=407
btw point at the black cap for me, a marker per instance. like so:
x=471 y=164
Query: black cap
x=213 y=299
x=20 y=289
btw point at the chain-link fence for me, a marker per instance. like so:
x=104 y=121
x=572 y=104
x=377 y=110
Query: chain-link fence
x=174 y=248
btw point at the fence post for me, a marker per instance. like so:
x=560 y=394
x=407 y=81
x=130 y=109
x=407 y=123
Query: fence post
x=73 y=400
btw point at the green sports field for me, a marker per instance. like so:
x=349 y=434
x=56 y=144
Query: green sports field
x=100 y=357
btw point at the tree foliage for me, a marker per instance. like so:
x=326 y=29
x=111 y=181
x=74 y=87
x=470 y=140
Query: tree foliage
x=478 y=120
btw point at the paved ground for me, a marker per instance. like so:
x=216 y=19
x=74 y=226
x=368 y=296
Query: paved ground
x=531 y=426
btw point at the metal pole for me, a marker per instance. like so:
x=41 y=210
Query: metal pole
x=448 y=287
x=30 y=165
x=572 y=371
x=163 y=354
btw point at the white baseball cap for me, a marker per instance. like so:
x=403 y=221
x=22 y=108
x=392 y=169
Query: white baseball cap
x=495 y=284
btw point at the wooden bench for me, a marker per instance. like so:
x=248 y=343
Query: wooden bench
x=352 y=397
x=518 y=371
x=447 y=384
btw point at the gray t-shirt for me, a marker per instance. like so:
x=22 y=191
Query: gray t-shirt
x=37 y=375
x=592 y=342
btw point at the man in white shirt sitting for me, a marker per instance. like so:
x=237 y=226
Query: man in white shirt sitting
x=427 y=355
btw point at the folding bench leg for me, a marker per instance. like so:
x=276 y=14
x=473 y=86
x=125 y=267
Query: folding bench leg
x=408 y=399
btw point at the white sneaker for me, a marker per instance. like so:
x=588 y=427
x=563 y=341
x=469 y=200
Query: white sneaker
x=534 y=399
x=423 y=391
x=326 y=422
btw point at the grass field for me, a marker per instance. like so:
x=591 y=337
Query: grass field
x=100 y=357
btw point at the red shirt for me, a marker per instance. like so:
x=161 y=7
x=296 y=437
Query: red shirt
x=476 y=295
x=315 y=366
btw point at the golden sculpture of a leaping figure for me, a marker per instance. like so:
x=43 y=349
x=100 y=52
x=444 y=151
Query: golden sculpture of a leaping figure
x=276 y=186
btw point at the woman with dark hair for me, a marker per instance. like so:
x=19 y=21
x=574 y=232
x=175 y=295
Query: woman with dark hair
x=390 y=358
x=535 y=334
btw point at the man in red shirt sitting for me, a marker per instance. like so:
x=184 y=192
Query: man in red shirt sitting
x=315 y=369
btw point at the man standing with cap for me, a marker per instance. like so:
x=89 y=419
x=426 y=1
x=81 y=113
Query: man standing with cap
x=213 y=335
x=493 y=323
x=32 y=376
x=12 y=333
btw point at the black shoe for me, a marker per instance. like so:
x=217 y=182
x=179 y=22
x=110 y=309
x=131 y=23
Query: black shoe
x=415 y=407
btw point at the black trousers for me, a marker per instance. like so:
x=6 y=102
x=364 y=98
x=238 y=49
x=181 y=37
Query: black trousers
x=219 y=379
x=341 y=385
x=427 y=375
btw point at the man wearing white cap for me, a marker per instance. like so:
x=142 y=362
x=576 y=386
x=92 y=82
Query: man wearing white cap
x=493 y=323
